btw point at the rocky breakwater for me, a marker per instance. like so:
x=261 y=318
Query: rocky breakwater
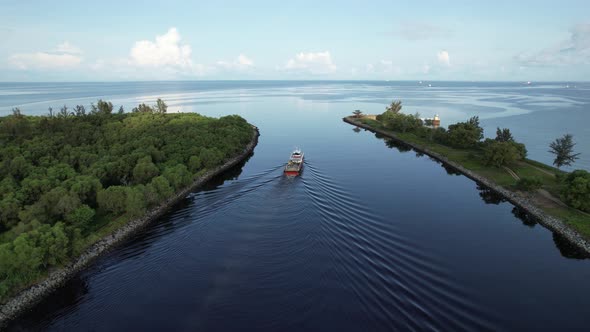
x=27 y=298
x=552 y=223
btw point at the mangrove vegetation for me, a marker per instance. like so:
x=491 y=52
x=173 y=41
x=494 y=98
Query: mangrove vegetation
x=72 y=176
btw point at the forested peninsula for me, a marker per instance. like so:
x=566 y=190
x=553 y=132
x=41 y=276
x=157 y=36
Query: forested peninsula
x=72 y=177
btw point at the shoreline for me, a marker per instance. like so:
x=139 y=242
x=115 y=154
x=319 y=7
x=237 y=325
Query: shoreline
x=29 y=297
x=549 y=222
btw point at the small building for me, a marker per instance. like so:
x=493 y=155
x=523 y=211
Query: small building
x=432 y=122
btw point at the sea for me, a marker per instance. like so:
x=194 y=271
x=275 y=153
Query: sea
x=371 y=236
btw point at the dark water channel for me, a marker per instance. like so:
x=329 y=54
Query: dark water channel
x=371 y=237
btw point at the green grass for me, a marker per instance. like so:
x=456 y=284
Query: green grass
x=471 y=159
x=575 y=219
x=545 y=166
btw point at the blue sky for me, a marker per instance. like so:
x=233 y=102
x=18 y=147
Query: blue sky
x=168 y=40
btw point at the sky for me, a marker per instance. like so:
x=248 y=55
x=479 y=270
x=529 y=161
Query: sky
x=294 y=40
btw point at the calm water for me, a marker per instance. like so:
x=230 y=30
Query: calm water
x=371 y=237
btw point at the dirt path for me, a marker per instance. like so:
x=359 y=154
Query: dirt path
x=537 y=168
x=511 y=172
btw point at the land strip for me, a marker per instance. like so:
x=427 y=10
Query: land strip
x=570 y=223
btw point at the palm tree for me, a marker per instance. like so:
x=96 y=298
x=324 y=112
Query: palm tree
x=395 y=106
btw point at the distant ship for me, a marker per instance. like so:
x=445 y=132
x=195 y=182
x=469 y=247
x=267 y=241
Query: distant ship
x=295 y=163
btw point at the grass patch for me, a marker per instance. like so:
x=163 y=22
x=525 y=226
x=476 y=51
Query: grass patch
x=575 y=219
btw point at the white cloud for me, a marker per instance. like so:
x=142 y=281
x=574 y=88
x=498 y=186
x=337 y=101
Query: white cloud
x=426 y=69
x=166 y=50
x=369 y=68
x=242 y=62
x=64 y=56
x=315 y=63
x=443 y=58
x=68 y=48
x=573 y=51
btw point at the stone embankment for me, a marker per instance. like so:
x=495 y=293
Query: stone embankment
x=548 y=221
x=27 y=298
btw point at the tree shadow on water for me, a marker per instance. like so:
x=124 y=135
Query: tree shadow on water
x=66 y=296
x=450 y=170
x=565 y=247
x=523 y=216
x=393 y=144
x=489 y=196
x=401 y=147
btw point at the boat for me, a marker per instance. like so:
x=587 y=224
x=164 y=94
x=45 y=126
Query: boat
x=295 y=163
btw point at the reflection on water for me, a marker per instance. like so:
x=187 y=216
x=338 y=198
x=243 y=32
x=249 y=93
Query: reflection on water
x=449 y=169
x=567 y=249
x=489 y=196
x=522 y=215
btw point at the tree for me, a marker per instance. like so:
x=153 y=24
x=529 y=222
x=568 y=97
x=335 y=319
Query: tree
x=563 y=149
x=85 y=188
x=161 y=106
x=162 y=187
x=53 y=244
x=16 y=112
x=142 y=108
x=400 y=122
x=576 y=191
x=121 y=110
x=357 y=113
x=465 y=134
x=135 y=203
x=9 y=209
x=145 y=170
x=113 y=199
x=79 y=110
x=178 y=176
x=102 y=107
x=504 y=135
x=194 y=164
x=63 y=112
x=499 y=153
x=27 y=256
x=81 y=217
x=395 y=107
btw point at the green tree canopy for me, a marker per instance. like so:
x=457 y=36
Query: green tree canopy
x=576 y=191
x=504 y=135
x=500 y=153
x=563 y=149
x=465 y=134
